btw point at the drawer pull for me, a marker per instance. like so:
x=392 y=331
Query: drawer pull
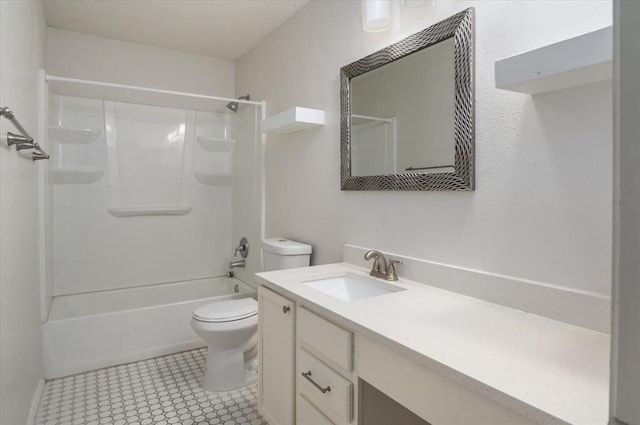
x=315 y=384
x=286 y=309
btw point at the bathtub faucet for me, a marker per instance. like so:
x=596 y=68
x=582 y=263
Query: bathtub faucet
x=236 y=264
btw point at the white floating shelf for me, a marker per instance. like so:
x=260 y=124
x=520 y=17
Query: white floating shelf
x=73 y=136
x=569 y=63
x=214 y=179
x=75 y=175
x=212 y=144
x=292 y=120
x=138 y=211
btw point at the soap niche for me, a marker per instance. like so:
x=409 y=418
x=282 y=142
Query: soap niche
x=214 y=153
x=75 y=136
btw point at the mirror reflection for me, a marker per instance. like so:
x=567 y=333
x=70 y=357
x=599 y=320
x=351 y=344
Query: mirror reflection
x=402 y=115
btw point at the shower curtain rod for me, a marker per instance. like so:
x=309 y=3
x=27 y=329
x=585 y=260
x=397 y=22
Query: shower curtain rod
x=366 y=117
x=148 y=89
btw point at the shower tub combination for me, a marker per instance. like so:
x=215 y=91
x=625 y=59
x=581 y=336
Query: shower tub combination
x=144 y=187
x=100 y=329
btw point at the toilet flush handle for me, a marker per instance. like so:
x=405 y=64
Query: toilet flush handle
x=286 y=309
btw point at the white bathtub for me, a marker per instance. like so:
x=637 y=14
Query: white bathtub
x=94 y=330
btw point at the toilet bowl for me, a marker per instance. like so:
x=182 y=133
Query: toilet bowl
x=230 y=328
x=230 y=331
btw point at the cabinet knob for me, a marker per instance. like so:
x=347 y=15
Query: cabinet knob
x=286 y=309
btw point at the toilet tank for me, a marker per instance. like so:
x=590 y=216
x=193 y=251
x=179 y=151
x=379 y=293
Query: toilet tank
x=281 y=253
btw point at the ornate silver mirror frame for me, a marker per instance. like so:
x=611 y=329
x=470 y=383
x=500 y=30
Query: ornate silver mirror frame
x=460 y=28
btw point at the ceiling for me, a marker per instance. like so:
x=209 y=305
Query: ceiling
x=223 y=29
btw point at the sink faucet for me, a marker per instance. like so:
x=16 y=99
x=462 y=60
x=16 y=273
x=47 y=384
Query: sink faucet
x=381 y=268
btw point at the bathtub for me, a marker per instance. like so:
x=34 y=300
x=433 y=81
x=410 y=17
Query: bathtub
x=94 y=330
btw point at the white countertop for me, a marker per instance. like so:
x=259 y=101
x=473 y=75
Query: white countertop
x=548 y=371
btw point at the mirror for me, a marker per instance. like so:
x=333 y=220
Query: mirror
x=407 y=116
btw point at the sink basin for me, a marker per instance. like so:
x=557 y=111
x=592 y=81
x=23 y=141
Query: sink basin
x=351 y=286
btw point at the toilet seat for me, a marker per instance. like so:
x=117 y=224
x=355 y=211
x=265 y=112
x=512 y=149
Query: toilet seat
x=226 y=311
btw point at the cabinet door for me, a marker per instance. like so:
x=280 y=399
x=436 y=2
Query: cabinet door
x=277 y=362
x=307 y=414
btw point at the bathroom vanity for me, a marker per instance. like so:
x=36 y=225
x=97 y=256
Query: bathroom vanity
x=339 y=347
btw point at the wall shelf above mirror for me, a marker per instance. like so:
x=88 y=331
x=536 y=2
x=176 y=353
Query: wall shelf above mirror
x=580 y=60
x=407 y=112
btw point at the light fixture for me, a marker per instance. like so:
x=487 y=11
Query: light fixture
x=414 y=4
x=376 y=15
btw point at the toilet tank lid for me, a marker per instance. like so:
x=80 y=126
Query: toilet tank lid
x=284 y=246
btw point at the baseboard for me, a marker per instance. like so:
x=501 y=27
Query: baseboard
x=36 y=402
x=587 y=310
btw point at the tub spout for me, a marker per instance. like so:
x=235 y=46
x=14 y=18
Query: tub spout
x=237 y=264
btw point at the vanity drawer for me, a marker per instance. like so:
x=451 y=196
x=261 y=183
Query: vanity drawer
x=307 y=414
x=319 y=382
x=331 y=341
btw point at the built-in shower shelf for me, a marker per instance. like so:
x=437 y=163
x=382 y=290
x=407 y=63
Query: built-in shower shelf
x=75 y=175
x=138 y=211
x=73 y=136
x=292 y=120
x=214 y=179
x=213 y=144
x=568 y=63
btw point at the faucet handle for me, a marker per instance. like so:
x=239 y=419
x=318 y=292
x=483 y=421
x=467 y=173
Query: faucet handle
x=390 y=273
x=379 y=262
x=376 y=264
x=242 y=248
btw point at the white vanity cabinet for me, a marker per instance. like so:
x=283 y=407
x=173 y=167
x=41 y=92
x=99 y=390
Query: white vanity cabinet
x=328 y=361
x=292 y=340
x=276 y=348
x=325 y=376
x=420 y=356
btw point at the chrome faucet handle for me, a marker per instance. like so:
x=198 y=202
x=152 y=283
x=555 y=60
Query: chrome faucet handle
x=376 y=265
x=379 y=263
x=390 y=273
x=242 y=248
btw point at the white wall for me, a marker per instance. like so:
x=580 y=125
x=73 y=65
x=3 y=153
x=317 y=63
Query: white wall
x=88 y=57
x=21 y=55
x=542 y=207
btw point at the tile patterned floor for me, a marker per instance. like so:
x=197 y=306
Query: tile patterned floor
x=160 y=391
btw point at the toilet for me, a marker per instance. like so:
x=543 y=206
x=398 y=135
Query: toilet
x=230 y=328
x=281 y=253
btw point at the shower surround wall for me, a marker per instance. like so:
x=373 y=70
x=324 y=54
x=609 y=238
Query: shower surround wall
x=147 y=157
x=159 y=249
x=141 y=203
x=541 y=212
